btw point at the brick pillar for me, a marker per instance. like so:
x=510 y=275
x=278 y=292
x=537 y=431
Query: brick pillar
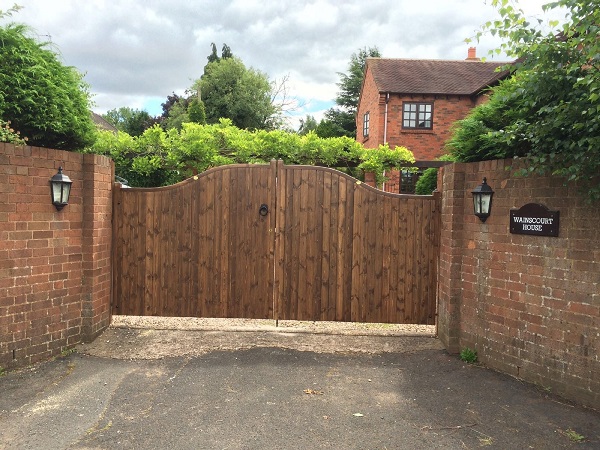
x=393 y=181
x=451 y=251
x=370 y=179
x=97 y=235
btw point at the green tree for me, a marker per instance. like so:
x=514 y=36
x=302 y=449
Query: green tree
x=178 y=115
x=351 y=83
x=337 y=123
x=309 y=123
x=230 y=90
x=197 y=112
x=341 y=120
x=132 y=121
x=549 y=110
x=226 y=52
x=44 y=100
x=213 y=57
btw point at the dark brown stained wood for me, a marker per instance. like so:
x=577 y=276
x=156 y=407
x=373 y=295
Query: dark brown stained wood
x=330 y=248
x=325 y=308
x=386 y=252
x=347 y=239
x=116 y=249
x=280 y=205
x=410 y=261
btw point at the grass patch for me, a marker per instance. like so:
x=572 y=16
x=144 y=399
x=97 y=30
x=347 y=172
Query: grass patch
x=468 y=355
x=573 y=436
x=67 y=351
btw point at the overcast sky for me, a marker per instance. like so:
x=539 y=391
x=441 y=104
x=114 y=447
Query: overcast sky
x=135 y=53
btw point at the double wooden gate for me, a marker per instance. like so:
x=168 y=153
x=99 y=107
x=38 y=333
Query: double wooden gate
x=275 y=241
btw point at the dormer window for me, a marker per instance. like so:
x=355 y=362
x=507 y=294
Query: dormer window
x=417 y=115
x=366 y=123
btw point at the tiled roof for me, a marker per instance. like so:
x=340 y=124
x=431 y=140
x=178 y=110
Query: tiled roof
x=102 y=123
x=423 y=76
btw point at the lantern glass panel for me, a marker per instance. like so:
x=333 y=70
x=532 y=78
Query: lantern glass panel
x=65 y=192
x=57 y=192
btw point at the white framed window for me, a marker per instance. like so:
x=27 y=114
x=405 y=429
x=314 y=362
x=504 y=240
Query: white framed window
x=366 y=124
x=417 y=115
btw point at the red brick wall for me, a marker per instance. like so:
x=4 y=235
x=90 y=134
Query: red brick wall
x=54 y=265
x=374 y=103
x=529 y=305
x=426 y=145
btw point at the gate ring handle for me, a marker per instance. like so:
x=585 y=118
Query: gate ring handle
x=263 y=210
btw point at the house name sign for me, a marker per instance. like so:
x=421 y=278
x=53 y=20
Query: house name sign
x=534 y=219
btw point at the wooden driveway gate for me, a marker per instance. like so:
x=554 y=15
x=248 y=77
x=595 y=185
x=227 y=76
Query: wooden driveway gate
x=275 y=241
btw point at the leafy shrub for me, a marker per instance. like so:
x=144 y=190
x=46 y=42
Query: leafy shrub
x=427 y=183
x=8 y=134
x=158 y=158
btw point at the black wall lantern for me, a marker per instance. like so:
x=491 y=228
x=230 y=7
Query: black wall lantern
x=482 y=200
x=60 y=188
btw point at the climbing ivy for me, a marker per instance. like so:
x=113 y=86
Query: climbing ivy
x=158 y=157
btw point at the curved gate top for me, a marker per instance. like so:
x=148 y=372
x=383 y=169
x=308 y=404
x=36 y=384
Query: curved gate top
x=275 y=241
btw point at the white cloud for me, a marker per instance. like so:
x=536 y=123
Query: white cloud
x=134 y=52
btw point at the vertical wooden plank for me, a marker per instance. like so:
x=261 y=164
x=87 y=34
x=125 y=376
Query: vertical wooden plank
x=426 y=252
x=167 y=261
x=396 y=242
x=193 y=301
x=357 y=243
x=159 y=252
x=139 y=258
x=303 y=305
x=347 y=237
x=178 y=307
x=335 y=250
x=235 y=210
x=326 y=249
x=372 y=308
x=272 y=239
x=375 y=314
x=410 y=262
x=296 y=244
x=341 y=231
x=317 y=241
x=236 y=308
x=281 y=205
x=215 y=224
x=211 y=235
x=437 y=236
x=386 y=230
x=258 y=244
x=224 y=228
x=189 y=274
x=401 y=270
x=150 y=299
x=419 y=260
x=117 y=250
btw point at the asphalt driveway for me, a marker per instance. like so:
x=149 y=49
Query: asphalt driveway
x=270 y=396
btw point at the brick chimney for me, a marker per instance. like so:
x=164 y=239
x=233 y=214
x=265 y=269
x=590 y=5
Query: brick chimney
x=472 y=55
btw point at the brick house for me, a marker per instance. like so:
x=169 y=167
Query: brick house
x=414 y=102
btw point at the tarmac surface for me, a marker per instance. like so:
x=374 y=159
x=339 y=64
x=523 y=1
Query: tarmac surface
x=136 y=388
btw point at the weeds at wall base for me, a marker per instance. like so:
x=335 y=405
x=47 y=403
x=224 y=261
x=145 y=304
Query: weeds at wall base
x=468 y=355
